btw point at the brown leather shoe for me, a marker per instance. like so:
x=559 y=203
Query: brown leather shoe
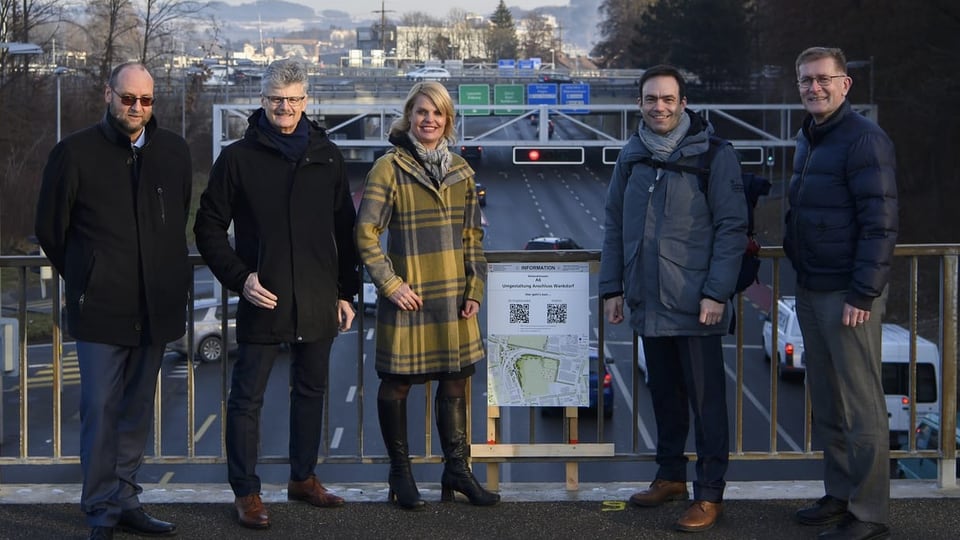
x=661 y=491
x=251 y=513
x=699 y=516
x=313 y=492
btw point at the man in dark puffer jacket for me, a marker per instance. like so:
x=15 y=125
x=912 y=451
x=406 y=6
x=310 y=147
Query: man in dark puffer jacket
x=840 y=233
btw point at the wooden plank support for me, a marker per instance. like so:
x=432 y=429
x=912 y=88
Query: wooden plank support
x=542 y=450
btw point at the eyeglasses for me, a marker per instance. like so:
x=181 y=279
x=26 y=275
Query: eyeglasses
x=823 y=80
x=292 y=100
x=129 y=101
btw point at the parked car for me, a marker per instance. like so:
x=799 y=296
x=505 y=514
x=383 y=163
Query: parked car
x=428 y=74
x=927 y=435
x=597 y=372
x=551 y=242
x=207 y=329
x=481 y=194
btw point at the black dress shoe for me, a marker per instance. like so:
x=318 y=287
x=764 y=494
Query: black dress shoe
x=825 y=511
x=101 y=533
x=851 y=528
x=137 y=521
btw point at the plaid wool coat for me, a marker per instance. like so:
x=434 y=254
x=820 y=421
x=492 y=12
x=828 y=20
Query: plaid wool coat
x=434 y=244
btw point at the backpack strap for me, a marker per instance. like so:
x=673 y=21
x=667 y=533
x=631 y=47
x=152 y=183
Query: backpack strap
x=706 y=160
x=701 y=169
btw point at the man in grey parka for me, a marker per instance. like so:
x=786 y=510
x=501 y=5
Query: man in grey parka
x=671 y=251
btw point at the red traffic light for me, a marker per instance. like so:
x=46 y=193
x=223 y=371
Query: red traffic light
x=548 y=155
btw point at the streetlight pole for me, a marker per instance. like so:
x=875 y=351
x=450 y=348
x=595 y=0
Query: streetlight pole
x=553 y=60
x=59 y=73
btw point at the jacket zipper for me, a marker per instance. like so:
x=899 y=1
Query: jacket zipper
x=163 y=209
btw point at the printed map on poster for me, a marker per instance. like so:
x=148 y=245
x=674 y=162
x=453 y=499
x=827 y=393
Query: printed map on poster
x=537 y=334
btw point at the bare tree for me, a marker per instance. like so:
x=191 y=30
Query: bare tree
x=419 y=32
x=619 y=28
x=18 y=21
x=111 y=32
x=163 y=19
x=538 y=38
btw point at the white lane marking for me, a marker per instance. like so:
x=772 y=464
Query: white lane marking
x=351 y=393
x=204 y=427
x=763 y=410
x=369 y=334
x=337 y=435
x=615 y=373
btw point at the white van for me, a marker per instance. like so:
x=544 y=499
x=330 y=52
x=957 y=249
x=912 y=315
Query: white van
x=896 y=380
x=895 y=371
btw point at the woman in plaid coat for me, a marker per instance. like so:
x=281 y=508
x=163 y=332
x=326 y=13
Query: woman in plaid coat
x=430 y=282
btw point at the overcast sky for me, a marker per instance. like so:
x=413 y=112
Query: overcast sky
x=363 y=8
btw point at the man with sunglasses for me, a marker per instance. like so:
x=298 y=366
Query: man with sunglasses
x=284 y=187
x=841 y=230
x=112 y=217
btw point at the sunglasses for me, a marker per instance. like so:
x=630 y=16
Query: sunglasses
x=129 y=101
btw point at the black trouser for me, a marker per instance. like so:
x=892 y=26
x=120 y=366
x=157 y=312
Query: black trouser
x=687 y=372
x=117 y=388
x=308 y=381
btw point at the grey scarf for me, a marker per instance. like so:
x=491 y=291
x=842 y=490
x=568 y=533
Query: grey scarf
x=436 y=161
x=661 y=146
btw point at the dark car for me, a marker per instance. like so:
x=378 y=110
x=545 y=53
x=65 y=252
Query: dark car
x=549 y=129
x=481 y=194
x=551 y=242
x=471 y=152
x=607 y=382
x=554 y=78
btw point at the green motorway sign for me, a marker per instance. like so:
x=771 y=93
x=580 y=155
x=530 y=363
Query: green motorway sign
x=508 y=94
x=474 y=94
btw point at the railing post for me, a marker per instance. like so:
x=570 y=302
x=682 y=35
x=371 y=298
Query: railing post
x=948 y=448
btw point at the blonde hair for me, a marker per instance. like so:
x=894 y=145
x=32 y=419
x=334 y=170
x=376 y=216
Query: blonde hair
x=438 y=95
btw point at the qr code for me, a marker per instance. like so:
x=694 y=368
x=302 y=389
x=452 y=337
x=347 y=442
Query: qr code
x=519 y=313
x=556 y=313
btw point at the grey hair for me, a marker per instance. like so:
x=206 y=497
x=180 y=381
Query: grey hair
x=282 y=73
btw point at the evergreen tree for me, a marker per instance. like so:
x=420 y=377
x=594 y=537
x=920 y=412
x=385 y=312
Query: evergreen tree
x=502 y=37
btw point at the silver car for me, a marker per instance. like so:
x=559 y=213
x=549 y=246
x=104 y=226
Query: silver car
x=207 y=329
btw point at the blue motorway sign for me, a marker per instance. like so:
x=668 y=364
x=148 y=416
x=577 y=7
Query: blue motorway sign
x=575 y=94
x=541 y=94
x=507 y=65
x=527 y=65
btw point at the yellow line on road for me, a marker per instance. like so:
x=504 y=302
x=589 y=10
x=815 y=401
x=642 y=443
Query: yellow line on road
x=165 y=479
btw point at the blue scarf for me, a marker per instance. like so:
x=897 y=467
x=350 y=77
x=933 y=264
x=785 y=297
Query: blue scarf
x=292 y=146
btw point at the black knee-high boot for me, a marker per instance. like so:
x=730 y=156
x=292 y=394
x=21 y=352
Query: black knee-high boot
x=452 y=428
x=393 y=427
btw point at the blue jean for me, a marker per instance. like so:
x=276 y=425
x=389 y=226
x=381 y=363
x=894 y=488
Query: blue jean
x=117 y=389
x=308 y=383
x=684 y=373
x=849 y=408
